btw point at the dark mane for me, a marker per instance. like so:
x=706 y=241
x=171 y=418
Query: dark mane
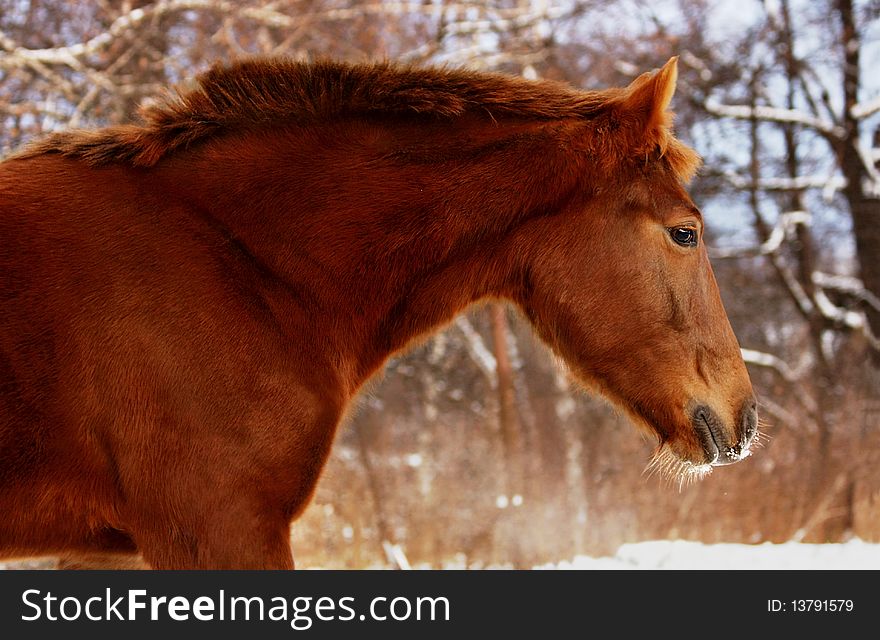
x=269 y=91
x=274 y=91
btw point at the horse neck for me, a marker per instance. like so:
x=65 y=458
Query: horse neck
x=384 y=233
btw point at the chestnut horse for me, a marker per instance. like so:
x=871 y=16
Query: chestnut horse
x=190 y=304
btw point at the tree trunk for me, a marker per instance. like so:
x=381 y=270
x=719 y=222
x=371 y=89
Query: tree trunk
x=805 y=253
x=513 y=525
x=374 y=487
x=864 y=209
x=508 y=416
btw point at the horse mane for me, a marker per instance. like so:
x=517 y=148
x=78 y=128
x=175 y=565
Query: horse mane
x=269 y=91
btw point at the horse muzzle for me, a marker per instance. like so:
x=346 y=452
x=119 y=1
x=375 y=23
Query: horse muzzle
x=720 y=445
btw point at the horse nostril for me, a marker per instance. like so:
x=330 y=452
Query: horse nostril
x=718 y=441
x=748 y=423
x=706 y=426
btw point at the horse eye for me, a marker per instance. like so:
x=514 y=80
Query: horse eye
x=685 y=236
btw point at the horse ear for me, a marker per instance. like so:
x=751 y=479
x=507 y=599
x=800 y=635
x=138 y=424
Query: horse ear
x=646 y=100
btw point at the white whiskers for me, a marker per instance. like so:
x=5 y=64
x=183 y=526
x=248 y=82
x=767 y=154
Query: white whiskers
x=674 y=470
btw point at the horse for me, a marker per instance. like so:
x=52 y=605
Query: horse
x=191 y=303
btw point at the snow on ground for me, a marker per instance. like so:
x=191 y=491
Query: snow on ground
x=682 y=554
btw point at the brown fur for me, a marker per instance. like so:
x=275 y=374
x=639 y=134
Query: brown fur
x=187 y=307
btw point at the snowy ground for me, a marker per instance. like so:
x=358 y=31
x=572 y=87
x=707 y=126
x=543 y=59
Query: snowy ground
x=680 y=554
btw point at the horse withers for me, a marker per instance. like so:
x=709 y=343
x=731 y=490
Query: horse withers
x=190 y=304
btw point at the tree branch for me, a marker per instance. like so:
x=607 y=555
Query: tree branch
x=774 y=114
x=861 y=110
x=786 y=222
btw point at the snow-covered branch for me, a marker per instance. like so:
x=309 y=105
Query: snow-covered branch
x=692 y=61
x=864 y=109
x=784 y=225
x=846 y=317
x=519 y=19
x=846 y=284
x=803 y=301
x=17 y=56
x=867 y=157
x=828 y=184
x=767 y=405
x=71 y=55
x=763 y=359
x=773 y=114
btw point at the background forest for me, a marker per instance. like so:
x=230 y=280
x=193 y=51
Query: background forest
x=476 y=449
